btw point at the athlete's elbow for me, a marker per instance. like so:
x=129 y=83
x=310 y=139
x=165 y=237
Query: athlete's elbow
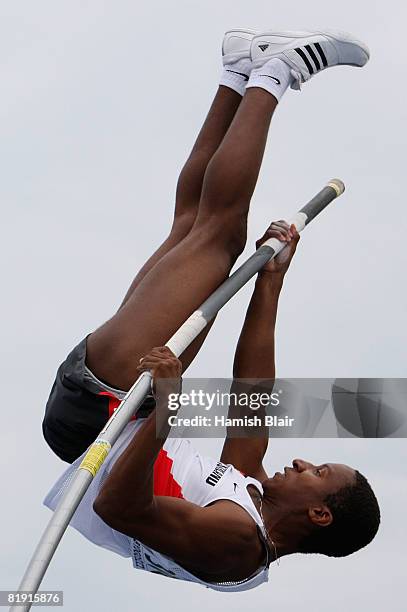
x=111 y=503
x=111 y=514
x=103 y=508
x=107 y=509
x=120 y=516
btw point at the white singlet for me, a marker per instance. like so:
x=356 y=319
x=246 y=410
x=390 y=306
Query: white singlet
x=179 y=471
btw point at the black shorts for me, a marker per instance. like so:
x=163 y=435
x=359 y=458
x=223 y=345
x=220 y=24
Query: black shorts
x=79 y=406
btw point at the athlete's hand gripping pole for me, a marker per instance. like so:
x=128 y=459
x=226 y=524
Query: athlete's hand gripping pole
x=137 y=394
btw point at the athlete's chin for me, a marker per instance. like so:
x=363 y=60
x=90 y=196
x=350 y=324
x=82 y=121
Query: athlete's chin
x=274 y=483
x=278 y=476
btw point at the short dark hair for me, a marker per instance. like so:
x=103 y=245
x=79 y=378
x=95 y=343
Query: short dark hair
x=356 y=519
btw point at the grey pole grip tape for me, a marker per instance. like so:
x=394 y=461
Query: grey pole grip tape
x=330 y=192
x=99 y=450
x=333 y=190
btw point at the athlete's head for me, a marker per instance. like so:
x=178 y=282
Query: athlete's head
x=331 y=507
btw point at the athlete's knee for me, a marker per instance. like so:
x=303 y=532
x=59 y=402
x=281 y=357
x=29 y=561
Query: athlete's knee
x=183 y=221
x=227 y=229
x=236 y=234
x=189 y=185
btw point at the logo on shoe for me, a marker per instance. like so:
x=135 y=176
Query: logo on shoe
x=263 y=47
x=246 y=78
x=275 y=79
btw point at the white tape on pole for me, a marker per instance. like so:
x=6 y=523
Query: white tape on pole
x=299 y=220
x=187 y=333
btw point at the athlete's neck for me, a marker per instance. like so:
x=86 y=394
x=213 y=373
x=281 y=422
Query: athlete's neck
x=283 y=529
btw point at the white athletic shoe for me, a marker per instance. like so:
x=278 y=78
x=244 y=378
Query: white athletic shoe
x=236 y=45
x=307 y=53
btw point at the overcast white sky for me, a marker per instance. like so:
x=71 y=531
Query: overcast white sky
x=99 y=105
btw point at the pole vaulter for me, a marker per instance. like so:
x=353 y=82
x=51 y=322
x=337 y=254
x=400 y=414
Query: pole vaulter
x=99 y=450
x=223 y=522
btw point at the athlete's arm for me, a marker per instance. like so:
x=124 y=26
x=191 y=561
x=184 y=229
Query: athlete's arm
x=189 y=534
x=254 y=357
x=210 y=541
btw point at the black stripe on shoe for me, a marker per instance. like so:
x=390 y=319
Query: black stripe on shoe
x=313 y=56
x=305 y=60
x=322 y=54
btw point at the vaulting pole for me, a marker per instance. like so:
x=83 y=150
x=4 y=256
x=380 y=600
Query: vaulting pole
x=192 y=327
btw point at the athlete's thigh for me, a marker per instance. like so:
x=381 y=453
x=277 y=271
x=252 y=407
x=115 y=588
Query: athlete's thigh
x=181 y=227
x=162 y=301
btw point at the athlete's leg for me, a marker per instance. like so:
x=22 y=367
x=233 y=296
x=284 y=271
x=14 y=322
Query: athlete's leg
x=192 y=270
x=189 y=187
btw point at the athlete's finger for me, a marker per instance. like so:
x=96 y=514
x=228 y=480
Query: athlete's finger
x=154 y=363
x=158 y=352
x=295 y=233
x=148 y=364
x=283 y=224
x=274 y=233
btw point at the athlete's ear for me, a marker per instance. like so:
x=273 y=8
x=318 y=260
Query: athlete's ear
x=320 y=515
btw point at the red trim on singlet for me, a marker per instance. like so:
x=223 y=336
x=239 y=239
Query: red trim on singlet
x=164 y=482
x=114 y=402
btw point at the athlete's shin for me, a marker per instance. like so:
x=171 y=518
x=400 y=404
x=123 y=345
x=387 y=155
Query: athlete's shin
x=232 y=174
x=216 y=125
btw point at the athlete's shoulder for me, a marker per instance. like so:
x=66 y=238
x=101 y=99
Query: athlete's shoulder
x=234 y=550
x=234 y=522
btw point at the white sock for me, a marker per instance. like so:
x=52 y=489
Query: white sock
x=275 y=77
x=236 y=75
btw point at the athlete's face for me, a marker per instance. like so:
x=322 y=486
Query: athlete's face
x=305 y=484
